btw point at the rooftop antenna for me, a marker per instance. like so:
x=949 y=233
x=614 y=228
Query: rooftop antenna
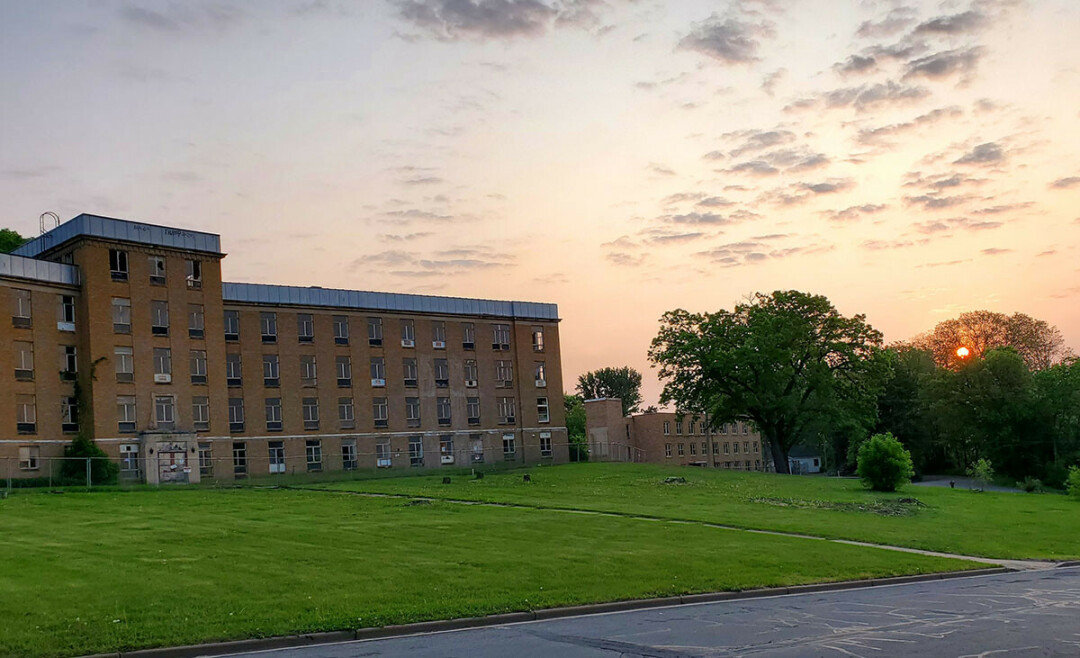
x=41 y=221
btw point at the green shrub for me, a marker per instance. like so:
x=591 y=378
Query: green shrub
x=102 y=469
x=884 y=464
x=982 y=472
x=1030 y=485
x=1072 y=485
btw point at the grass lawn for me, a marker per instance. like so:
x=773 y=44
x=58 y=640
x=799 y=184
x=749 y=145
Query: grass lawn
x=93 y=572
x=1000 y=525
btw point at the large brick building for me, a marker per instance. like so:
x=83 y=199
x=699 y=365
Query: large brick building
x=185 y=377
x=670 y=438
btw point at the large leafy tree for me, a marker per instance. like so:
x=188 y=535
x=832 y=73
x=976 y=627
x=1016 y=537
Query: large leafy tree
x=1038 y=342
x=623 y=383
x=10 y=240
x=788 y=361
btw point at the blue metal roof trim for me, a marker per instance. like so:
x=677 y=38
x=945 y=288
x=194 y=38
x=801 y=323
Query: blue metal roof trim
x=38 y=270
x=121 y=229
x=262 y=293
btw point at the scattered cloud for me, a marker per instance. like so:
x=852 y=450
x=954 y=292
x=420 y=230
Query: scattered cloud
x=178 y=18
x=881 y=134
x=858 y=64
x=450 y=20
x=897 y=20
x=728 y=40
x=934 y=202
x=660 y=169
x=983 y=154
x=996 y=251
x=854 y=213
x=944 y=64
x=867 y=96
x=1065 y=183
x=624 y=259
x=407 y=237
x=757 y=140
x=29 y=173
x=422 y=180
x=967 y=21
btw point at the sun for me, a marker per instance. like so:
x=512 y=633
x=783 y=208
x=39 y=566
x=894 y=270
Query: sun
x=962 y=352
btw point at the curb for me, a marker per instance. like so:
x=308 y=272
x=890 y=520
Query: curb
x=1070 y=563
x=398 y=630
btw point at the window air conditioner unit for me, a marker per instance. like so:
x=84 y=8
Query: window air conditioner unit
x=160 y=378
x=540 y=383
x=405 y=342
x=447 y=459
x=378 y=383
x=439 y=344
x=65 y=326
x=470 y=383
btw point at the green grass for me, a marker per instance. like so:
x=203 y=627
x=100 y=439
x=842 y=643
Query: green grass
x=93 y=572
x=998 y=525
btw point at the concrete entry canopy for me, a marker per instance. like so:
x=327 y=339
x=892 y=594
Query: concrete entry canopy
x=168 y=458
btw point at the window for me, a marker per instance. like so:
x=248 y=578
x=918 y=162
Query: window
x=268 y=327
x=277 y=456
x=543 y=414
x=471 y=373
x=476 y=443
x=382 y=454
x=314 y=455
x=504 y=374
x=540 y=374
x=473 y=406
x=305 y=327
x=206 y=460
x=129 y=459
x=125 y=413
x=500 y=337
x=667 y=449
x=412 y=412
x=193 y=274
x=344 y=371
x=380 y=412
x=442 y=373
x=234 y=372
x=408 y=333
x=24 y=361
x=121 y=315
x=691 y=428
x=69 y=414
x=538 y=339
x=438 y=334
x=273 y=414
x=271 y=371
x=374 y=331
x=723 y=428
x=408 y=367
x=197 y=361
x=727 y=448
x=416 y=451
x=239 y=458
x=125 y=364
x=311 y=413
x=468 y=336
x=162 y=365
x=157 y=270
x=446 y=449
x=236 y=414
x=377 y=367
x=667 y=427
x=545 y=444
x=164 y=412
x=716 y=448
x=506 y=411
x=735 y=447
x=509 y=447
x=232 y=325
x=159 y=318
x=443 y=411
x=118 y=265
x=701 y=428
x=693 y=448
x=21 y=312
x=341 y=334
x=66 y=318
x=348 y=455
x=200 y=413
x=757 y=445
x=682 y=449
x=196 y=321
x=69 y=362
x=29 y=458
x=308 y=374
x=346 y=415
x=746 y=447
x=745 y=428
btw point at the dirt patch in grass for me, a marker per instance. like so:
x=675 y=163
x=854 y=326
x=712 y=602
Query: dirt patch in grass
x=897 y=507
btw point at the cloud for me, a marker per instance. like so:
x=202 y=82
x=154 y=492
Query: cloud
x=879 y=135
x=422 y=180
x=451 y=20
x=854 y=213
x=944 y=64
x=414 y=214
x=983 y=154
x=698 y=218
x=873 y=95
x=934 y=202
x=715 y=202
x=967 y=21
x=856 y=64
x=1065 y=183
x=1009 y=207
x=28 y=173
x=663 y=170
x=727 y=40
x=747 y=252
x=623 y=259
x=408 y=237
x=753 y=167
x=996 y=251
x=943 y=225
x=757 y=140
x=895 y=21
x=768 y=85
x=176 y=17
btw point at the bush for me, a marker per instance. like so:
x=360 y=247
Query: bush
x=982 y=472
x=102 y=469
x=884 y=464
x=1030 y=485
x=1072 y=485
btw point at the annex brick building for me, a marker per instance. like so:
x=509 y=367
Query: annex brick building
x=182 y=376
x=670 y=438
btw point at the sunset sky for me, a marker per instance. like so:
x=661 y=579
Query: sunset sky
x=909 y=160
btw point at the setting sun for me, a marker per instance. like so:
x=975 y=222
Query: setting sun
x=962 y=352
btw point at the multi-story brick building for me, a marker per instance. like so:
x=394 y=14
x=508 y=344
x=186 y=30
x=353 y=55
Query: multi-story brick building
x=182 y=376
x=670 y=438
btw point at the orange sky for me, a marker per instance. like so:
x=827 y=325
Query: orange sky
x=908 y=160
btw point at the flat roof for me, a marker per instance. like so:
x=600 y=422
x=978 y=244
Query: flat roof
x=110 y=228
x=38 y=270
x=274 y=295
